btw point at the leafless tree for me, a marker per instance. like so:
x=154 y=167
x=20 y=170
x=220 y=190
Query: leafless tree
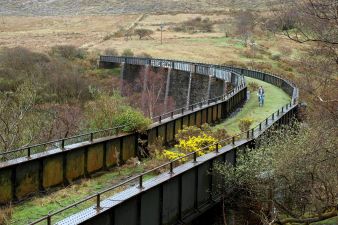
x=311 y=21
x=245 y=24
x=20 y=122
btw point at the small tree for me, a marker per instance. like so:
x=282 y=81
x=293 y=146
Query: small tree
x=245 y=24
x=142 y=33
x=290 y=179
x=21 y=122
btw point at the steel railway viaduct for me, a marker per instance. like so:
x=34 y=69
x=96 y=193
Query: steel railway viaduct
x=202 y=95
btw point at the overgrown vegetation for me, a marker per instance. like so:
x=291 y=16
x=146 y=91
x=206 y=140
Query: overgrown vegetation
x=45 y=97
x=197 y=24
x=109 y=111
x=290 y=179
x=245 y=124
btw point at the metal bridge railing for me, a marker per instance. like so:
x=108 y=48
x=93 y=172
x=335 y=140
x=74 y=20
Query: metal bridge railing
x=60 y=143
x=169 y=166
x=205 y=69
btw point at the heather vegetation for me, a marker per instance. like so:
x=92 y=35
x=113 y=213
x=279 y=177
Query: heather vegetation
x=57 y=95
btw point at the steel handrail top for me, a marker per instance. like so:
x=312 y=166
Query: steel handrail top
x=189 y=65
x=213 y=70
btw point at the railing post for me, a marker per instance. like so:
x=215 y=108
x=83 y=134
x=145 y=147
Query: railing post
x=260 y=126
x=172 y=115
x=63 y=144
x=273 y=116
x=49 y=219
x=247 y=134
x=171 y=168
x=98 y=202
x=252 y=133
x=192 y=107
x=140 y=182
x=195 y=157
x=182 y=110
x=233 y=140
x=28 y=152
x=217 y=148
x=160 y=119
x=278 y=112
x=266 y=121
x=282 y=109
x=91 y=137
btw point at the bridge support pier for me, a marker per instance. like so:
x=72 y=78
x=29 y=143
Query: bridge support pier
x=225 y=88
x=145 y=84
x=209 y=88
x=189 y=90
x=122 y=76
x=167 y=91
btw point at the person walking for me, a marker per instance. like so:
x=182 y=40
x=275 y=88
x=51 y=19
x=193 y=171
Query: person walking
x=261 y=96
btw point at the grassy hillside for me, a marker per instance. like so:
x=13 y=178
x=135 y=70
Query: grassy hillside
x=70 y=7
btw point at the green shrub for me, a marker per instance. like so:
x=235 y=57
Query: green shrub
x=253 y=86
x=132 y=120
x=195 y=25
x=275 y=57
x=68 y=52
x=245 y=123
x=109 y=111
x=111 y=51
x=128 y=52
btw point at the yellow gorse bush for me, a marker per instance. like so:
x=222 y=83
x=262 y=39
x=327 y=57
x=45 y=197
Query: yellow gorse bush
x=192 y=139
x=197 y=143
x=173 y=155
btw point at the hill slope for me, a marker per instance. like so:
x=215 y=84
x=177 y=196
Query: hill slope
x=71 y=7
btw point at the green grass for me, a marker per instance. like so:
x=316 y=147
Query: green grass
x=39 y=206
x=275 y=98
x=332 y=221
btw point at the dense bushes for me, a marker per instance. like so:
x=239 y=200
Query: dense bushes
x=195 y=25
x=62 y=86
x=142 y=33
x=67 y=51
x=112 y=111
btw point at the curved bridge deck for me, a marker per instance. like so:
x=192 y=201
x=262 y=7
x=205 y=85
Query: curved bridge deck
x=183 y=192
